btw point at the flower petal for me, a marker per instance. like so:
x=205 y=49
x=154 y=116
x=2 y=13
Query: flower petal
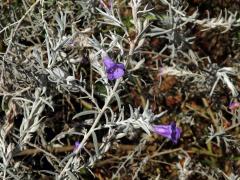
x=120 y=65
x=170 y=131
x=163 y=130
x=118 y=72
x=108 y=62
x=110 y=76
x=76 y=145
x=234 y=105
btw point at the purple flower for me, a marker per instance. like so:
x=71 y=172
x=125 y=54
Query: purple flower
x=169 y=131
x=76 y=145
x=114 y=70
x=234 y=105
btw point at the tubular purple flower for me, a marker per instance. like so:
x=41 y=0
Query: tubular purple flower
x=169 y=131
x=114 y=70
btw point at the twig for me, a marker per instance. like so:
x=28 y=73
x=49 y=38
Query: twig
x=209 y=111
